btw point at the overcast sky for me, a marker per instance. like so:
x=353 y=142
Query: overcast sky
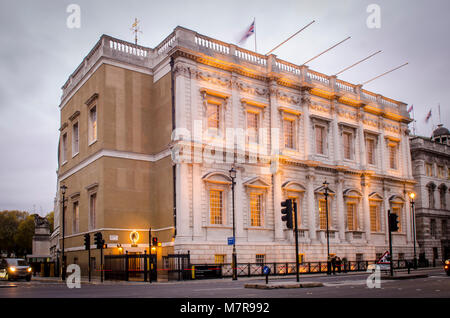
x=38 y=52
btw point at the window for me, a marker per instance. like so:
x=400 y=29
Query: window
x=64 y=148
x=351 y=216
x=75 y=136
x=359 y=257
x=370 y=148
x=442 y=193
x=323 y=215
x=216 y=206
x=397 y=210
x=252 y=127
x=256 y=209
x=213 y=118
x=444 y=228
x=320 y=139
x=295 y=199
x=429 y=169
x=441 y=173
x=375 y=218
x=393 y=153
x=289 y=128
x=347 y=143
x=76 y=218
x=260 y=259
x=433 y=228
x=431 y=187
x=92 y=124
x=219 y=258
x=92 y=210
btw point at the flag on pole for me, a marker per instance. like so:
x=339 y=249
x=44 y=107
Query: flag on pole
x=410 y=108
x=249 y=31
x=428 y=116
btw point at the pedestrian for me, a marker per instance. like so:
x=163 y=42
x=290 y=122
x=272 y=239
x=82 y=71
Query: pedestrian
x=338 y=264
x=333 y=264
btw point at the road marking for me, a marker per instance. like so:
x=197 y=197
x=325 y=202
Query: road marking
x=206 y=289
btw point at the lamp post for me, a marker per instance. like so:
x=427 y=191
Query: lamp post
x=325 y=186
x=63 y=262
x=234 y=261
x=412 y=195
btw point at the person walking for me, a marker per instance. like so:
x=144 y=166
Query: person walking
x=333 y=264
x=338 y=264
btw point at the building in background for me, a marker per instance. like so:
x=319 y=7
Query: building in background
x=431 y=170
x=148 y=137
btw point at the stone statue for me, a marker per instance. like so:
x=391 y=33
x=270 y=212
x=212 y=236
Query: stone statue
x=41 y=221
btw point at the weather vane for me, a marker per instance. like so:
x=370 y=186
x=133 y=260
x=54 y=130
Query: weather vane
x=135 y=29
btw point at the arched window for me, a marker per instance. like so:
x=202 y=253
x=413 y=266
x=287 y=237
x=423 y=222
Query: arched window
x=443 y=196
x=217 y=185
x=352 y=199
x=295 y=191
x=431 y=187
x=397 y=203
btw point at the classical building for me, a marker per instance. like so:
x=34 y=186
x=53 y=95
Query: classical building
x=149 y=135
x=431 y=170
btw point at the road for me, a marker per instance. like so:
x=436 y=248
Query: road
x=436 y=285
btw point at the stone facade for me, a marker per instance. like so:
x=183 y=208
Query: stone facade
x=173 y=120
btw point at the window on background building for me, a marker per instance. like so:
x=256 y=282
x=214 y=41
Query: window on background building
x=64 y=148
x=431 y=187
x=252 y=127
x=213 y=118
x=75 y=138
x=256 y=209
x=216 y=206
x=444 y=229
x=347 y=138
x=92 y=210
x=76 y=218
x=289 y=129
x=397 y=210
x=323 y=215
x=443 y=196
x=370 y=148
x=393 y=156
x=433 y=228
x=92 y=131
x=320 y=139
x=260 y=259
x=375 y=218
x=429 y=169
x=219 y=258
x=441 y=172
x=352 y=224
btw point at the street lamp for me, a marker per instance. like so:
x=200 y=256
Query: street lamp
x=412 y=195
x=234 y=261
x=63 y=262
x=325 y=186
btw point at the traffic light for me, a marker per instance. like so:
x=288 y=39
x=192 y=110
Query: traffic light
x=105 y=246
x=393 y=222
x=287 y=213
x=154 y=241
x=87 y=242
x=98 y=240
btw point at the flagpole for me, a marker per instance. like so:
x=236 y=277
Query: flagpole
x=254 y=26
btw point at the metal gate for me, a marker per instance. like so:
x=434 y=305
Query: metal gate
x=178 y=266
x=136 y=267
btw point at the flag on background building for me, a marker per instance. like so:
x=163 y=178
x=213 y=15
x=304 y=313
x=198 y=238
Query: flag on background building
x=428 y=116
x=410 y=108
x=248 y=33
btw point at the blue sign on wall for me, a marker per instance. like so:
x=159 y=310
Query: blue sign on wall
x=230 y=240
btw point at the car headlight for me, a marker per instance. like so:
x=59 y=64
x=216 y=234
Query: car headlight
x=12 y=268
x=447 y=261
x=29 y=269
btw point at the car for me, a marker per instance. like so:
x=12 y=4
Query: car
x=14 y=268
x=447 y=266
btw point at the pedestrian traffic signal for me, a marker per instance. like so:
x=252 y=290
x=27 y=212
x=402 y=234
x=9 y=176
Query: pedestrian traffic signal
x=87 y=242
x=98 y=240
x=393 y=222
x=287 y=213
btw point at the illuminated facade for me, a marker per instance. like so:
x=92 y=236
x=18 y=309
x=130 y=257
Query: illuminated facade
x=160 y=129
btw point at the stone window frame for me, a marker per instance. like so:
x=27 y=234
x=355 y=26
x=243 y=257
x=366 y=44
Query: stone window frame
x=325 y=124
x=294 y=116
x=219 y=99
x=376 y=200
x=319 y=196
x=368 y=135
x=92 y=103
x=258 y=108
x=256 y=185
x=92 y=190
x=295 y=190
x=217 y=181
x=393 y=143
x=345 y=128
x=354 y=197
x=75 y=200
x=397 y=202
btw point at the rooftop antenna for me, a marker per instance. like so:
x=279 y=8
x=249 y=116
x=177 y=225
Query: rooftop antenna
x=349 y=67
x=326 y=50
x=135 y=29
x=276 y=47
x=384 y=73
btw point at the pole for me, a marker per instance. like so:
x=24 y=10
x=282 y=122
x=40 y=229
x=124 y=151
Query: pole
x=326 y=50
x=296 y=242
x=328 y=234
x=150 y=263
x=349 y=67
x=414 y=230
x=89 y=261
x=254 y=26
x=391 y=262
x=63 y=263
x=384 y=73
x=234 y=234
x=290 y=37
x=101 y=262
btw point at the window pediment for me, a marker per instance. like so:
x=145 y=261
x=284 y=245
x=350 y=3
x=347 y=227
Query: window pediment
x=217 y=177
x=352 y=193
x=256 y=182
x=292 y=186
